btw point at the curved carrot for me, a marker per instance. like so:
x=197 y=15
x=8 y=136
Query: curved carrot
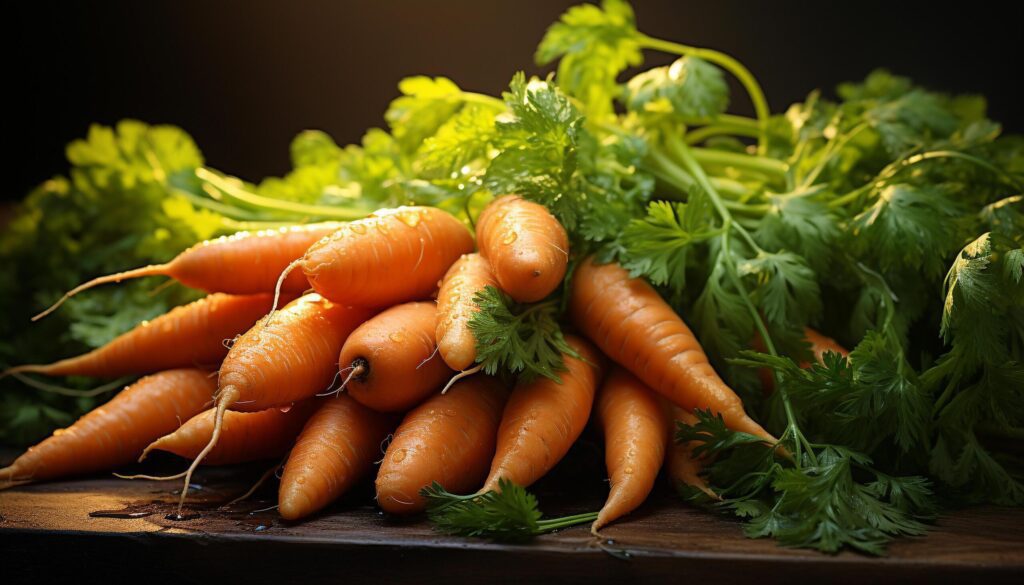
x=544 y=418
x=336 y=448
x=526 y=246
x=636 y=430
x=190 y=335
x=448 y=439
x=287 y=356
x=246 y=436
x=115 y=433
x=631 y=323
x=392 y=358
x=242 y=263
x=455 y=307
x=395 y=255
x=683 y=467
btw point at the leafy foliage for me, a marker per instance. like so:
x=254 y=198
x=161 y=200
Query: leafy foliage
x=690 y=87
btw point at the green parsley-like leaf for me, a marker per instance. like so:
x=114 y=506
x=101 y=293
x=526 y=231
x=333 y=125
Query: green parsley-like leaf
x=692 y=87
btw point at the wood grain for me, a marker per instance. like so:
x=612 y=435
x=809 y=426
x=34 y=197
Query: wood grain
x=48 y=526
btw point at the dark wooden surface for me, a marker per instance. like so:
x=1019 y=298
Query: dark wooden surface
x=47 y=529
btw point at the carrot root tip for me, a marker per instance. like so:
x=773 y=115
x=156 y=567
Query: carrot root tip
x=461 y=375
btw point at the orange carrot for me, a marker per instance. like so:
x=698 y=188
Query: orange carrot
x=392 y=360
x=190 y=335
x=526 y=246
x=636 y=430
x=683 y=467
x=395 y=255
x=336 y=449
x=286 y=357
x=243 y=263
x=448 y=439
x=114 y=434
x=246 y=436
x=820 y=344
x=455 y=307
x=544 y=418
x=631 y=323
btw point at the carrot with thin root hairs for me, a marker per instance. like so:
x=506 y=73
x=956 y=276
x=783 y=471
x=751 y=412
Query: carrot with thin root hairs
x=393 y=256
x=336 y=449
x=280 y=360
x=455 y=307
x=392 y=360
x=636 y=431
x=115 y=433
x=243 y=263
x=820 y=345
x=635 y=327
x=246 y=436
x=544 y=418
x=186 y=336
x=448 y=439
x=683 y=467
x=528 y=249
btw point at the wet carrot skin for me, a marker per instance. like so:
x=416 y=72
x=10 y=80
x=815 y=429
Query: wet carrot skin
x=528 y=248
x=544 y=418
x=288 y=356
x=247 y=436
x=187 y=336
x=398 y=356
x=455 y=308
x=393 y=256
x=448 y=439
x=336 y=449
x=631 y=323
x=115 y=433
x=636 y=429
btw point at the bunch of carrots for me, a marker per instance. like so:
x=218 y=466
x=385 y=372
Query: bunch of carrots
x=317 y=342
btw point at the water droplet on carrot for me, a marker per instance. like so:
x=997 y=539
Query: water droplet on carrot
x=409 y=218
x=399 y=456
x=509 y=237
x=397 y=336
x=357 y=228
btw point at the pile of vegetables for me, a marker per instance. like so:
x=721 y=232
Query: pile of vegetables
x=641 y=258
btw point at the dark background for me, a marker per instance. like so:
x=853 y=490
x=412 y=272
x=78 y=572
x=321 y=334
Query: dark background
x=244 y=77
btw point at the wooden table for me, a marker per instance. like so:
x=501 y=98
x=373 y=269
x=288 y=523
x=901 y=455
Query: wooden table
x=48 y=529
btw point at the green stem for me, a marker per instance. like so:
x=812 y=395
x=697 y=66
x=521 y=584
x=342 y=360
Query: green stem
x=233 y=191
x=833 y=148
x=731 y=65
x=769 y=166
x=701 y=134
x=544 y=526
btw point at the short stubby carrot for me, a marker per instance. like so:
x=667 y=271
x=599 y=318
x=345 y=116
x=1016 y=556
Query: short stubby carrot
x=684 y=468
x=390 y=362
x=395 y=255
x=544 y=418
x=190 y=335
x=528 y=248
x=288 y=356
x=246 y=436
x=337 y=448
x=455 y=307
x=637 y=429
x=115 y=433
x=635 y=327
x=243 y=263
x=448 y=439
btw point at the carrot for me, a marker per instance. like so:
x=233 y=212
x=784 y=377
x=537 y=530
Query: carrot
x=455 y=307
x=631 y=323
x=246 y=436
x=820 y=345
x=544 y=418
x=114 y=434
x=336 y=449
x=526 y=246
x=286 y=357
x=395 y=255
x=243 y=263
x=636 y=430
x=448 y=439
x=683 y=467
x=392 y=360
x=190 y=335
